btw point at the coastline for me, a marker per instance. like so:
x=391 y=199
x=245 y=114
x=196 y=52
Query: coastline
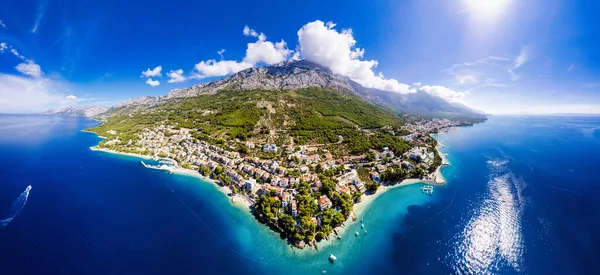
x=86 y=131
x=244 y=205
x=237 y=201
x=94 y=148
x=358 y=210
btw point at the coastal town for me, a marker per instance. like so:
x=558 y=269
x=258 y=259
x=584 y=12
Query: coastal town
x=306 y=192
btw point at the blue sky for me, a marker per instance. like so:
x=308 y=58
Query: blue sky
x=500 y=56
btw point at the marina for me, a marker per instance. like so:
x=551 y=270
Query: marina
x=162 y=164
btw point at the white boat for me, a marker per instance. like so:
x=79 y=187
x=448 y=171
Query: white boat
x=427 y=189
x=356 y=233
x=362 y=225
x=332 y=257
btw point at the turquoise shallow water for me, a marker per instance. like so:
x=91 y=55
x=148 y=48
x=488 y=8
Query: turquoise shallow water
x=256 y=243
x=520 y=199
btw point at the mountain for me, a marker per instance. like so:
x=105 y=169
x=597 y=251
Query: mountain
x=86 y=111
x=294 y=75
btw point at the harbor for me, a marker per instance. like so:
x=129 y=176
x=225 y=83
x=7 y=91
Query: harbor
x=166 y=164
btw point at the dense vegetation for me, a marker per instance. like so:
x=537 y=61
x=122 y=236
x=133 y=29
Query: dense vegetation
x=302 y=229
x=309 y=116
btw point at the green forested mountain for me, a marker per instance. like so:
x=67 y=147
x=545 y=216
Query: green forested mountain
x=305 y=116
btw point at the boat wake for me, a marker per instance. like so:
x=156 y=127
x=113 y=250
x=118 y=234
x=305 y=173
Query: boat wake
x=16 y=207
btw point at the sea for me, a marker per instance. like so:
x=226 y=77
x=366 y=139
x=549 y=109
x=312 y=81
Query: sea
x=520 y=198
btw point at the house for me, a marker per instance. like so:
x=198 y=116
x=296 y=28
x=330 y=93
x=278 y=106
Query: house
x=285 y=199
x=374 y=176
x=360 y=186
x=265 y=176
x=294 y=181
x=344 y=190
x=272 y=148
x=280 y=170
x=261 y=191
x=284 y=182
x=294 y=209
x=418 y=153
x=275 y=180
x=304 y=169
x=324 y=202
x=250 y=184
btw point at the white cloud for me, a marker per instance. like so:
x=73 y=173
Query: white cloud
x=417 y=84
x=261 y=51
x=30 y=68
x=71 y=97
x=220 y=52
x=322 y=44
x=5 y=46
x=487 y=70
x=152 y=73
x=212 y=68
x=40 y=13
x=152 y=83
x=249 y=32
x=571 y=67
x=2 y=25
x=29 y=95
x=466 y=79
x=443 y=92
x=266 y=52
x=176 y=76
x=522 y=58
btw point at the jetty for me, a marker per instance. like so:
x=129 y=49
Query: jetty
x=163 y=164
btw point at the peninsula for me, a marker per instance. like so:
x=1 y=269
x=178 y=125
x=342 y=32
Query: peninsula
x=301 y=148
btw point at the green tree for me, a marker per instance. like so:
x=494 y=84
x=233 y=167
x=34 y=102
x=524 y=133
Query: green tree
x=287 y=223
x=338 y=218
x=205 y=171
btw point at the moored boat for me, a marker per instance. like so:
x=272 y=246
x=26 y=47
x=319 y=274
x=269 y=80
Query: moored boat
x=427 y=189
x=332 y=258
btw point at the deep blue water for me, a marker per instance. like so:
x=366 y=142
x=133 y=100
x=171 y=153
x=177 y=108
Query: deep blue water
x=520 y=199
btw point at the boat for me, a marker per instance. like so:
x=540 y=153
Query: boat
x=427 y=189
x=356 y=233
x=362 y=225
x=339 y=237
x=332 y=258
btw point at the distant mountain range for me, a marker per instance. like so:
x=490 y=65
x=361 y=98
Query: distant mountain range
x=86 y=111
x=294 y=75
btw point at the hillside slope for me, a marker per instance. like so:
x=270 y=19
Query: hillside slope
x=287 y=117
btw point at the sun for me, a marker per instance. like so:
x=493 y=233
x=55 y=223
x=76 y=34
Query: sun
x=486 y=8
